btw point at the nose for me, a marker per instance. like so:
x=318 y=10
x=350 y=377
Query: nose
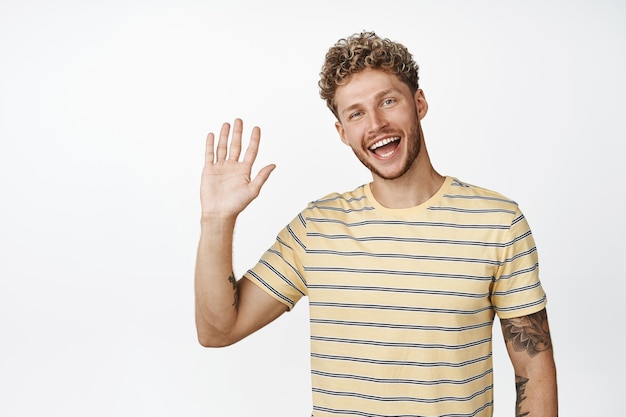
x=377 y=120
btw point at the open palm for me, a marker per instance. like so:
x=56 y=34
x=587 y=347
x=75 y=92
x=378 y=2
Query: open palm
x=227 y=187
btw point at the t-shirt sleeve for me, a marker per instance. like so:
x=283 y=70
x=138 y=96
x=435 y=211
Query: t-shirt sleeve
x=280 y=271
x=517 y=290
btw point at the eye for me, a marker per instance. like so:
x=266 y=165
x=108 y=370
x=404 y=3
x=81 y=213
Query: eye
x=388 y=102
x=354 y=115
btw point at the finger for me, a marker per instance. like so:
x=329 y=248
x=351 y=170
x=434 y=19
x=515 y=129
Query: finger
x=262 y=176
x=208 y=151
x=235 y=143
x=222 y=144
x=253 y=146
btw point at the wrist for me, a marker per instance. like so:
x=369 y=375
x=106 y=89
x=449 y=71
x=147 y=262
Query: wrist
x=213 y=221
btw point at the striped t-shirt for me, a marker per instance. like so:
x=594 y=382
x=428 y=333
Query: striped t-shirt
x=402 y=301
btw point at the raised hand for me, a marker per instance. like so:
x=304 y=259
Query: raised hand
x=227 y=187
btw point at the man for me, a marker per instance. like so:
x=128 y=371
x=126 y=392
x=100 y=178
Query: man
x=404 y=275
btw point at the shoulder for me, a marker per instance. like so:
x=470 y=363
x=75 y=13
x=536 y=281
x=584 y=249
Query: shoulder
x=471 y=195
x=347 y=200
x=337 y=207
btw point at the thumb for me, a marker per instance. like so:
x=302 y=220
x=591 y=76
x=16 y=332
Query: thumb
x=262 y=176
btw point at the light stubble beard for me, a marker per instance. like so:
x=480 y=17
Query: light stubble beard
x=413 y=149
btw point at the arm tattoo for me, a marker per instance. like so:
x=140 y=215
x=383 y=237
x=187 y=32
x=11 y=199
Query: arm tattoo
x=233 y=281
x=528 y=333
x=520 y=387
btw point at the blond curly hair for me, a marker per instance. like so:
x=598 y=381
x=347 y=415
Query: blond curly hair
x=358 y=52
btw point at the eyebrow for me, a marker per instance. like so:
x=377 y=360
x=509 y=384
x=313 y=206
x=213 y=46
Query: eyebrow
x=377 y=96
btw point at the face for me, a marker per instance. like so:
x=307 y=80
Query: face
x=379 y=118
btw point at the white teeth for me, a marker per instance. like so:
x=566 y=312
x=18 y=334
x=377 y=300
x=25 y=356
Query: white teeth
x=383 y=143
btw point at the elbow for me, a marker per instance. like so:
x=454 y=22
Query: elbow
x=214 y=339
x=213 y=342
x=213 y=333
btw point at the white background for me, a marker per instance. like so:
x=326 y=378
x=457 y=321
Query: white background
x=104 y=107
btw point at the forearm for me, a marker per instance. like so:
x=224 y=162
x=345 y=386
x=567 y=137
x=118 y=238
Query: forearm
x=529 y=345
x=216 y=294
x=536 y=388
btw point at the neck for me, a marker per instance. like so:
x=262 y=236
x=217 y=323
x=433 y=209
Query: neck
x=412 y=189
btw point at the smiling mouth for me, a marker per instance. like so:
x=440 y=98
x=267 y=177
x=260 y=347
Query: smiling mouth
x=384 y=148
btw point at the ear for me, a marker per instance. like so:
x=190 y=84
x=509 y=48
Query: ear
x=342 y=133
x=421 y=103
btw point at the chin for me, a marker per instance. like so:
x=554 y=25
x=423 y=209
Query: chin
x=390 y=175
